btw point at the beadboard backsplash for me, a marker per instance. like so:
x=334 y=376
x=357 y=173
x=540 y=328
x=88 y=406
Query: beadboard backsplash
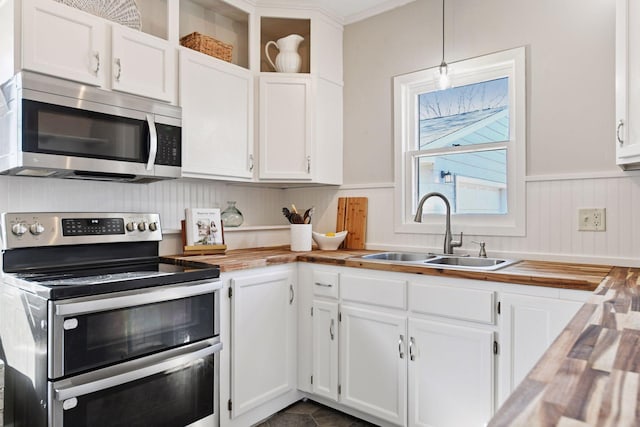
x=552 y=220
x=259 y=205
x=552 y=212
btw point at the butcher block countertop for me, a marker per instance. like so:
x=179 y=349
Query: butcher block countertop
x=590 y=376
x=538 y=273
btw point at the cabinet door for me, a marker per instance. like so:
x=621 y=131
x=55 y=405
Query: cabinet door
x=263 y=336
x=528 y=326
x=62 y=41
x=285 y=128
x=627 y=85
x=217 y=117
x=373 y=369
x=325 y=349
x=450 y=375
x=142 y=64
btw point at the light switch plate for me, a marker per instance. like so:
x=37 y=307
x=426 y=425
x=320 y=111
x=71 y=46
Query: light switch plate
x=593 y=219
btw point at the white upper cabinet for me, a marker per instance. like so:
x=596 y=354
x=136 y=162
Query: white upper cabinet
x=300 y=131
x=217 y=118
x=142 y=64
x=285 y=127
x=627 y=84
x=59 y=40
x=64 y=42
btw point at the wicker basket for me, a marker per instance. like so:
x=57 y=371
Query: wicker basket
x=207 y=45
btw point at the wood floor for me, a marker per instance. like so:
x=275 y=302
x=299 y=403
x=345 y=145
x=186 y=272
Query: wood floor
x=312 y=414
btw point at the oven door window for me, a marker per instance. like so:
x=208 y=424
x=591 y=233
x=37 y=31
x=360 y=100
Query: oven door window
x=103 y=338
x=176 y=397
x=55 y=129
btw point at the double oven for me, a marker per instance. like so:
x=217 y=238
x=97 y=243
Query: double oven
x=97 y=330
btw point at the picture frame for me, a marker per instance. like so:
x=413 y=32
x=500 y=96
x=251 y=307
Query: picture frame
x=203 y=226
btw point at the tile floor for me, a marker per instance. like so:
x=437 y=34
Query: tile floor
x=311 y=414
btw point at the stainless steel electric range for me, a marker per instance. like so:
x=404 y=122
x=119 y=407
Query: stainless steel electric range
x=96 y=329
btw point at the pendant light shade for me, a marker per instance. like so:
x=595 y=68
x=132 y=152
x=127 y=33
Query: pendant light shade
x=443 y=80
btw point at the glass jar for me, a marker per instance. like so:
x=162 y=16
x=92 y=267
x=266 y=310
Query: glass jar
x=231 y=216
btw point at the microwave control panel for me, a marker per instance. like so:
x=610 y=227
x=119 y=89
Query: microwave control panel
x=169 y=145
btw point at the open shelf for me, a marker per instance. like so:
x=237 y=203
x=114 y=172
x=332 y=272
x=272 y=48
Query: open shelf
x=272 y=29
x=220 y=20
x=154 y=19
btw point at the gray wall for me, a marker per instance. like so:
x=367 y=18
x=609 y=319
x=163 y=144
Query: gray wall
x=570 y=76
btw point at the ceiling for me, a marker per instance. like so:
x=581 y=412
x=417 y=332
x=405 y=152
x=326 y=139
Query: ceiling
x=349 y=11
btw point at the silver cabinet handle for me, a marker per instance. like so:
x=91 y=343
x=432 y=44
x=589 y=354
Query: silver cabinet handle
x=119 y=65
x=308 y=164
x=324 y=285
x=411 y=343
x=96 y=55
x=250 y=162
x=331 y=333
x=620 y=124
x=401 y=346
x=291 y=294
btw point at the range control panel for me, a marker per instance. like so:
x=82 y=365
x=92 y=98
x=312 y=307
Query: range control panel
x=72 y=228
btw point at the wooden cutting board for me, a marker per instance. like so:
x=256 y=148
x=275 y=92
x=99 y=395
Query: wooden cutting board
x=352 y=216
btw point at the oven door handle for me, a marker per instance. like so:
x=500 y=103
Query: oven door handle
x=135 y=370
x=149 y=296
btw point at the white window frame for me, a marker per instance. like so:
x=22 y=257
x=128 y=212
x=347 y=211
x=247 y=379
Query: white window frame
x=407 y=87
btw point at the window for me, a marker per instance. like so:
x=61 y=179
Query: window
x=466 y=142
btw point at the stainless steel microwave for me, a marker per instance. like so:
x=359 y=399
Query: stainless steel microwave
x=50 y=127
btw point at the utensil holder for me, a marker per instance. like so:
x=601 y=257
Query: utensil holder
x=301 y=237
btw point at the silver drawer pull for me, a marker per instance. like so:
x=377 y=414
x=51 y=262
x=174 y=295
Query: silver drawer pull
x=401 y=346
x=331 y=333
x=324 y=285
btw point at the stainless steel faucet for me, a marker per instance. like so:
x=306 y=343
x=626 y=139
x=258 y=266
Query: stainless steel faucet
x=449 y=243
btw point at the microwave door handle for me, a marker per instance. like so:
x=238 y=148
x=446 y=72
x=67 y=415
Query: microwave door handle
x=136 y=369
x=153 y=142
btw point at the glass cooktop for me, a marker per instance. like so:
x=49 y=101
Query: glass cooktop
x=84 y=280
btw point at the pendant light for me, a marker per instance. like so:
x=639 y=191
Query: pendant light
x=443 y=81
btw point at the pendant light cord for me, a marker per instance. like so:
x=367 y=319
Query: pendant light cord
x=443 y=31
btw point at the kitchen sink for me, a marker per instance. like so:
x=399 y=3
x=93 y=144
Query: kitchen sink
x=452 y=262
x=398 y=256
x=472 y=263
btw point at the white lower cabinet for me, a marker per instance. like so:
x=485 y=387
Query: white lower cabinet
x=325 y=349
x=421 y=350
x=450 y=374
x=260 y=344
x=529 y=324
x=373 y=371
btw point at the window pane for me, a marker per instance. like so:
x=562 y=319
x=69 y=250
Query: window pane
x=473 y=114
x=474 y=183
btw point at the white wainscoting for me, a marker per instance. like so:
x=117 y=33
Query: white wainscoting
x=259 y=205
x=552 y=220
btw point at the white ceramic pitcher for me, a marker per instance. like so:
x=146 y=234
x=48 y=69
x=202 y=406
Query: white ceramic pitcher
x=287 y=60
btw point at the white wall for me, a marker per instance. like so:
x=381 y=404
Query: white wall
x=570 y=76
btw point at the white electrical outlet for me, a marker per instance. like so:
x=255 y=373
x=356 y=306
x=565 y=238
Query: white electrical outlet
x=592 y=219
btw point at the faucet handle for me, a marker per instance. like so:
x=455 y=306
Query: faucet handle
x=483 y=252
x=457 y=243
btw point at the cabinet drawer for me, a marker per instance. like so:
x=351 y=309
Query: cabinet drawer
x=325 y=284
x=374 y=290
x=466 y=304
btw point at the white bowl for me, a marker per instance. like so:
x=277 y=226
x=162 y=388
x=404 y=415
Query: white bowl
x=329 y=243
